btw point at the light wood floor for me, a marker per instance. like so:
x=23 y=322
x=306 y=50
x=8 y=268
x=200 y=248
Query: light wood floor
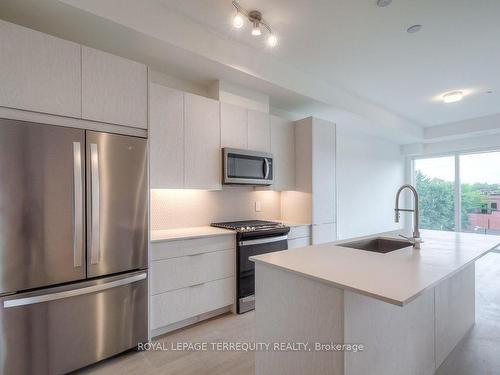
x=478 y=353
x=225 y=328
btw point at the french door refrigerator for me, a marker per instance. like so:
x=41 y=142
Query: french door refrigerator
x=73 y=247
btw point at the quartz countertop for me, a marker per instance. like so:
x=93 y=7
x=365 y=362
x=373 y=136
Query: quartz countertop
x=188 y=233
x=201 y=231
x=397 y=277
x=293 y=224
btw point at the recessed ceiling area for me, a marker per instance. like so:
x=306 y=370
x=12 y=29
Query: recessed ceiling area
x=367 y=50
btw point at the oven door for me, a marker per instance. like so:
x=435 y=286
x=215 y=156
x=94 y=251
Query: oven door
x=246 y=268
x=246 y=167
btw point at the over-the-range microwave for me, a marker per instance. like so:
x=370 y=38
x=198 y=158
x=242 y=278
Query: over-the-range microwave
x=245 y=167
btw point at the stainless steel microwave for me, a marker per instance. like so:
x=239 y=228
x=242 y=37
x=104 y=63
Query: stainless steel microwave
x=245 y=167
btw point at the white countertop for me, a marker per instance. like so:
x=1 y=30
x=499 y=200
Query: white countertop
x=188 y=233
x=397 y=277
x=293 y=224
x=203 y=231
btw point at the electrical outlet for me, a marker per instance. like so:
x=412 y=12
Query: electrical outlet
x=258 y=206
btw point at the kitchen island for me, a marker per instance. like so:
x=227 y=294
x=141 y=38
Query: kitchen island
x=404 y=311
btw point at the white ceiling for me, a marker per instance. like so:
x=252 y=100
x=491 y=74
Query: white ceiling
x=347 y=61
x=365 y=49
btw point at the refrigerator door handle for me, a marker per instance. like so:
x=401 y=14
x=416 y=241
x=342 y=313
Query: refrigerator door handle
x=95 y=207
x=73 y=292
x=78 y=205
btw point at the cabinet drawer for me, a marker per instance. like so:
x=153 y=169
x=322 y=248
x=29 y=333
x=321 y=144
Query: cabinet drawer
x=299 y=242
x=299 y=232
x=172 y=249
x=180 y=304
x=181 y=272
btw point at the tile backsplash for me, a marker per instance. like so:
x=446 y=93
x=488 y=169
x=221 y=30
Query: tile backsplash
x=188 y=208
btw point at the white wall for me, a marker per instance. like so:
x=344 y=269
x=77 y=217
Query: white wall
x=369 y=172
x=177 y=83
x=228 y=92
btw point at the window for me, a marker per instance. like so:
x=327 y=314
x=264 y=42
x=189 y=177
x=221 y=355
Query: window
x=480 y=192
x=434 y=181
x=460 y=192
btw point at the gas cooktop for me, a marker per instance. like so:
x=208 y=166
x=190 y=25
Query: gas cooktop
x=249 y=225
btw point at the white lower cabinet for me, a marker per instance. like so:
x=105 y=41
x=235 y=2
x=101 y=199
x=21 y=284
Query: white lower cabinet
x=181 y=272
x=299 y=242
x=299 y=236
x=322 y=233
x=190 y=278
x=181 y=304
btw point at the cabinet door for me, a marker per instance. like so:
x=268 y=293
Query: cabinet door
x=39 y=72
x=166 y=137
x=322 y=233
x=283 y=150
x=202 y=155
x=259 y=131
x=323 y=172
x=114 y=89
x=233 y=122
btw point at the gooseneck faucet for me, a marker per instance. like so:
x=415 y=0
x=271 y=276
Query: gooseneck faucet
x=416 y=240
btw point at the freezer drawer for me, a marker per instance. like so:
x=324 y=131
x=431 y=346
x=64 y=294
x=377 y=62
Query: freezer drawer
x=61 y=329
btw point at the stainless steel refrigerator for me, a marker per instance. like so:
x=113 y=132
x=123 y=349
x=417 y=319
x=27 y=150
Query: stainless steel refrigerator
x=73 y=247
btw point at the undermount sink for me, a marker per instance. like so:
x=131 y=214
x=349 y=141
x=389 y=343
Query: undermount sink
x=377 y=244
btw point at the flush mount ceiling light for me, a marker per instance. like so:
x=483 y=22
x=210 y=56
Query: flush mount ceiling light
x=414 y=29
x=258 y=23
x=383 y=3
x=452 y=97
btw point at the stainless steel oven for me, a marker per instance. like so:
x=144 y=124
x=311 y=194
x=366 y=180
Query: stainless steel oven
x=246 y=248
x=245 y=167
x=253 y=237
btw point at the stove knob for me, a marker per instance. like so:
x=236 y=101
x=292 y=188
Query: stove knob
x=252 y=228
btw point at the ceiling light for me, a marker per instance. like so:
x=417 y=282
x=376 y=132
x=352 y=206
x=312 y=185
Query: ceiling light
x=238 y=20
x=453 y=97
x=414 y=29
x=256 y=30
x=383 y=3
x=272 y=40
x=258 y=23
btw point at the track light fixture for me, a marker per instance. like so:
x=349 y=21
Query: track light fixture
x=258 y=23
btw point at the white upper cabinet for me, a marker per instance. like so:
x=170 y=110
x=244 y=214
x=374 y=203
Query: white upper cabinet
x=114 y=89
x=259 y=131
x=202 y=156
x=283 y=150
x=39 y=72
x=233 y=120
x=166 y=137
